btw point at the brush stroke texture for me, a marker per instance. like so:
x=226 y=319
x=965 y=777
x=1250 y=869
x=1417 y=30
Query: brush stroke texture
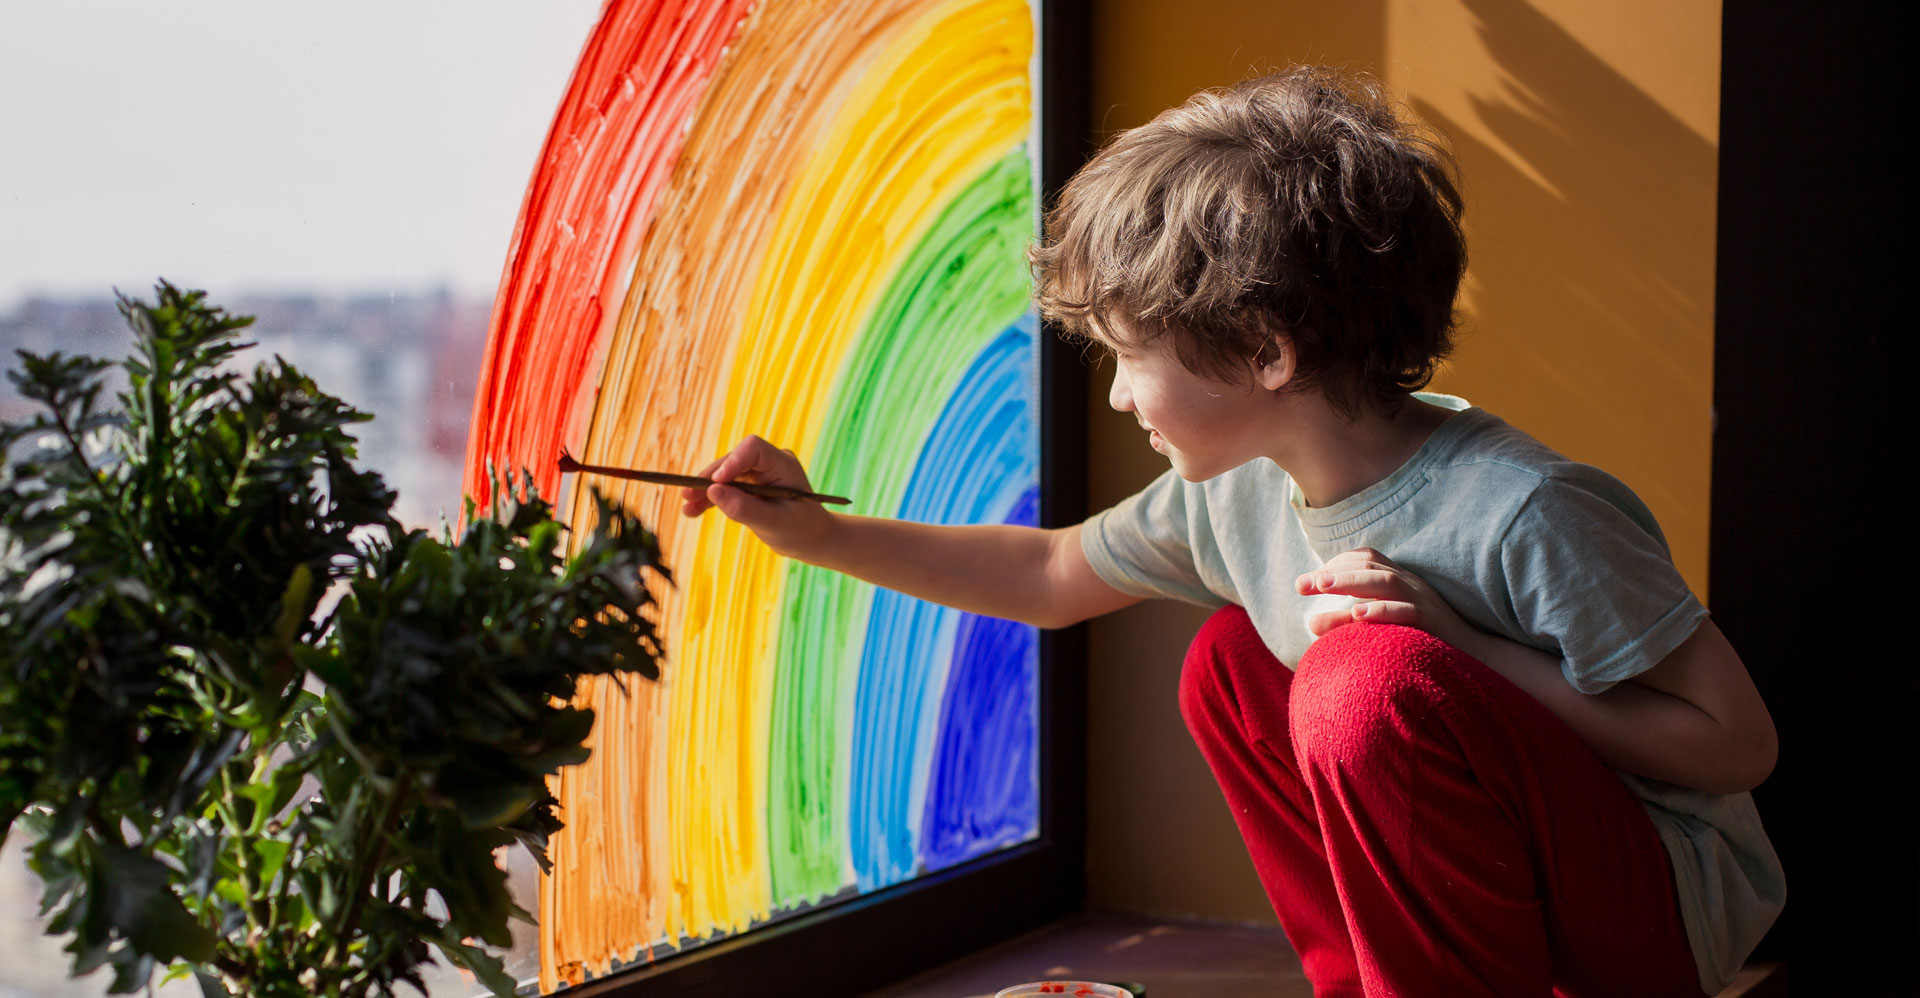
x=983 y=790
x=976 y=466
x=959 y=288
x=814 y=229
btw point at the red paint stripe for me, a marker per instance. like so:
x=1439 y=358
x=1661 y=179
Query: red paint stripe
x=612 y=147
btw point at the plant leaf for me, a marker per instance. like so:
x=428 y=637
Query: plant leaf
x=141 y=905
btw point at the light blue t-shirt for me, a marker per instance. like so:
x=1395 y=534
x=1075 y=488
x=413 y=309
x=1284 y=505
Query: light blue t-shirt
x=1522 y=543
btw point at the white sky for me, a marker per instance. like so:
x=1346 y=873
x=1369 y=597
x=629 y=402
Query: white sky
x=261 y=145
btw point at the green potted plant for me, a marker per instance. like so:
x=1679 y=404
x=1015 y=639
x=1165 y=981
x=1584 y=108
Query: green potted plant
x=257 y=732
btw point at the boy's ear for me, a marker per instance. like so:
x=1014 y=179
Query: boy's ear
x=1273 y=365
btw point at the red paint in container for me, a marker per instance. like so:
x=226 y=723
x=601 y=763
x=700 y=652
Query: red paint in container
x=1079 y=989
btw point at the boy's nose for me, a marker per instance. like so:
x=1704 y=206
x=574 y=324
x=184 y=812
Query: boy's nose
x=1120 y=396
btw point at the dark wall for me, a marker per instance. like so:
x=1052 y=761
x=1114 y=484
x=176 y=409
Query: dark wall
x=1810 y=537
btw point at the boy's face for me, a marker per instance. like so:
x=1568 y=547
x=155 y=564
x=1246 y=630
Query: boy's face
x=1203 y=426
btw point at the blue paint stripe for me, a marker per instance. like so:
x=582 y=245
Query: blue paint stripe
x=977 y=463
x=983 y=790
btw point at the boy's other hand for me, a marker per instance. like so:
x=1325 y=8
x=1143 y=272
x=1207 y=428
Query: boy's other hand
x=1385 y=593
x=789 y=526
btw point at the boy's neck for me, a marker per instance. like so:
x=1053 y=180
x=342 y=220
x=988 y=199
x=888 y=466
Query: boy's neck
x=1331 y=457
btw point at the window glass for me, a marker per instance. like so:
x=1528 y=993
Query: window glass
x=348 y=172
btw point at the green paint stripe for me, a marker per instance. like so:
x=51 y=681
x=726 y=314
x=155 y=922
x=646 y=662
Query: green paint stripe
x=964 y=282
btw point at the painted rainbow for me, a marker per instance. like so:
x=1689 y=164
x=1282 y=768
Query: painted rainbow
x=805 y=220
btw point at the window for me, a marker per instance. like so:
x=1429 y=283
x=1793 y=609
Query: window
x=804 y=220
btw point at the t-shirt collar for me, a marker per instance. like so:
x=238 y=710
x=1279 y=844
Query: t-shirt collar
x=1385 y=495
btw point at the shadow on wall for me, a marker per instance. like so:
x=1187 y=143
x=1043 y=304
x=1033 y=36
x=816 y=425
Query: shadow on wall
x=1592 y=267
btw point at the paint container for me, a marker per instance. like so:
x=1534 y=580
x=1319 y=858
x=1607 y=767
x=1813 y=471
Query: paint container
x=1071 y=989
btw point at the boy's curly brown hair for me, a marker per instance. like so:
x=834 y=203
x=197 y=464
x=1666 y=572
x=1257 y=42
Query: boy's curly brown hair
x=1296 y=205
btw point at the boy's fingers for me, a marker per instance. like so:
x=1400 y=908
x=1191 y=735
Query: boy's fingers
x=730 y=467
x=731 y=502
x=1387 y=612
x=694 y=501
x=1368 y=583
x=1346 y=561
x=725 y=498
x=693 y=498
x=1326 y=620
x=738 y=505
x=756 y=460
x=1323 y=622
x=1370 y=611
x=747 y=456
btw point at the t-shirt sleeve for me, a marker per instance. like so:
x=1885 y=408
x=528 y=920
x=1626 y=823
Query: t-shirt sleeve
x=1591 y=579
x=1143 y=546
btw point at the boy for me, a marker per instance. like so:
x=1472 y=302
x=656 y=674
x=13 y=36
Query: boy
x=1476 y=732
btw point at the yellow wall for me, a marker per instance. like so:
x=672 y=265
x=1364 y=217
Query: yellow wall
x=1587 y=135
x=1589 y=141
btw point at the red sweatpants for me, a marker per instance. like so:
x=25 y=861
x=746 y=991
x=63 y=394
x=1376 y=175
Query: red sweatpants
x=1425 y=828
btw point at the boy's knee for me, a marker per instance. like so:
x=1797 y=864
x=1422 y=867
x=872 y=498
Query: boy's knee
x=1364 y=688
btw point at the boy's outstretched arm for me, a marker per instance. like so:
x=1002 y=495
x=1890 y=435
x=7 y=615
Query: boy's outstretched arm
x=1027 y=574
x=1695 y=719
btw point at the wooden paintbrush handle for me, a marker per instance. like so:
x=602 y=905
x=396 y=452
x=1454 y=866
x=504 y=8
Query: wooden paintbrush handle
x=761 y=489
x=767 y=491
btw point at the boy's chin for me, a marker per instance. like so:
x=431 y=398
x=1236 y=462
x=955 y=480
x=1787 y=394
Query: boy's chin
x=1195 y=473
x=1199 y=471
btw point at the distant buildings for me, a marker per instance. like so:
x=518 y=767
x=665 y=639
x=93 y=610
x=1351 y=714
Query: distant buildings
x=410 y=360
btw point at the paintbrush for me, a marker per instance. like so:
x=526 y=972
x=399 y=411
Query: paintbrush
x=761 y=489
